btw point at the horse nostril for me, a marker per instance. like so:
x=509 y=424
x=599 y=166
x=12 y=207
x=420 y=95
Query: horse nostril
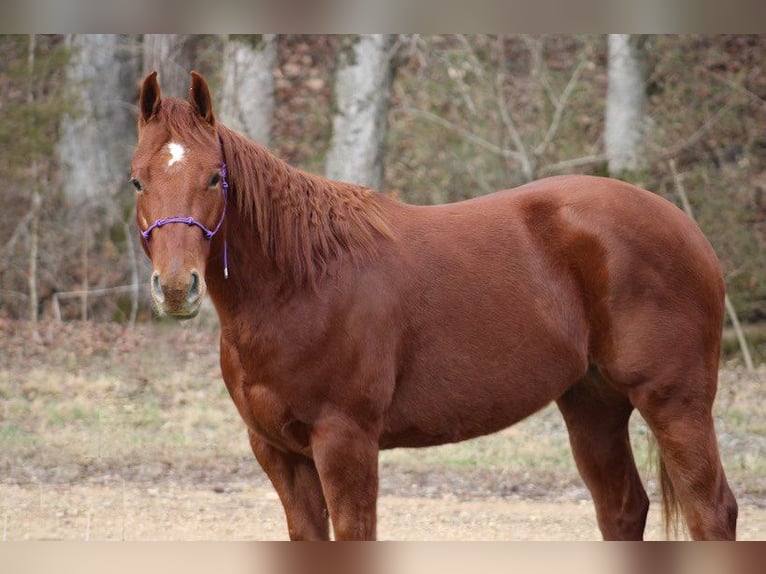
x=194 y=288
x=157 y=293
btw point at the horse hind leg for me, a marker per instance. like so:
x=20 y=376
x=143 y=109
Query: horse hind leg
x=597 y=418
x=678 y=410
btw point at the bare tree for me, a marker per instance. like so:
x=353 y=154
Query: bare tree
x=482 y=102
x=247 y=96
x=362 y=92
x=625 y=105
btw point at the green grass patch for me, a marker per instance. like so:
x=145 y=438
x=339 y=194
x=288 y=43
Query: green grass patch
x=13 y=435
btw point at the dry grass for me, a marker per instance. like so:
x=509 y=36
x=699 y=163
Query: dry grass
x=150 y=405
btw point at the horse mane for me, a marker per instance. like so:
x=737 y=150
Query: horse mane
x=304 y=221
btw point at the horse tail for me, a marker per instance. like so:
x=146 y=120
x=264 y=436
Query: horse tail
x=671 y=507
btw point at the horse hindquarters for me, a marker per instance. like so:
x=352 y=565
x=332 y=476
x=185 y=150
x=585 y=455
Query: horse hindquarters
x=667 y=363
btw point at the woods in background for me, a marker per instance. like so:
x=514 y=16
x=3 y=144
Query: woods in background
x=429 y=118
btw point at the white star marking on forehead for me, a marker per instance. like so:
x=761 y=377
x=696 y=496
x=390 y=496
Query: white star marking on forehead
x=177 y=152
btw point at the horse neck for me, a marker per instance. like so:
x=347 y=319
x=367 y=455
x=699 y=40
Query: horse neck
x=289 y=227
x=251 y=277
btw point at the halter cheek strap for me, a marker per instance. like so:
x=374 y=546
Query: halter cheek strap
x=208 y=233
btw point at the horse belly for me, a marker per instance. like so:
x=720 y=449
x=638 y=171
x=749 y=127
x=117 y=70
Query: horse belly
x=456 y=392
x=442 y=424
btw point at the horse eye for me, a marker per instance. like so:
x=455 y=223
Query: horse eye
x=215 y=180
x=136 y=184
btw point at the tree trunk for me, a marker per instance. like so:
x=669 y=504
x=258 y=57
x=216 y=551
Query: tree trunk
x=96 y=140
x=34 y=227
x=625 y=105
x=247 y=95
x=362 y=91
x=170 y=56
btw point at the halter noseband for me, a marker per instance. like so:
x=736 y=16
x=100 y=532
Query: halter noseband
x=208 y=233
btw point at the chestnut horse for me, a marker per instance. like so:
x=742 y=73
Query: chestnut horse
x=351 y=322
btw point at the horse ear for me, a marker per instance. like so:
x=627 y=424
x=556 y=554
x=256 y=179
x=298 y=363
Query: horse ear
x=199 y=96
x=150 y=97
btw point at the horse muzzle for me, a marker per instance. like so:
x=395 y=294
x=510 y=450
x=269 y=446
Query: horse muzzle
x=179 y=295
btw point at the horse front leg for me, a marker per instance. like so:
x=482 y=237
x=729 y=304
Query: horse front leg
x=346 y=456
x=296 y=481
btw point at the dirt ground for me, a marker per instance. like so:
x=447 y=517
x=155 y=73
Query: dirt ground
x=239 y=511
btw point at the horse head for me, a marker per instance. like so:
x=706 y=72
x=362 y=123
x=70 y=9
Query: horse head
x=179 y=176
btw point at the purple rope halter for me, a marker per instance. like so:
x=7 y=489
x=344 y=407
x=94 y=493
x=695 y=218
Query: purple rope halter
x=208 y=233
